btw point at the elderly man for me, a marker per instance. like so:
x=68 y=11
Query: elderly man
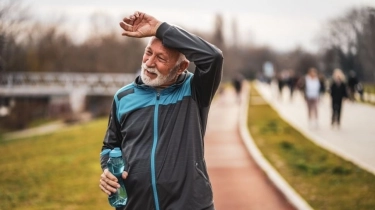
x=159 y=120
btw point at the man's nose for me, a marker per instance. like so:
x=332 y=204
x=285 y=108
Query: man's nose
x=150 y=62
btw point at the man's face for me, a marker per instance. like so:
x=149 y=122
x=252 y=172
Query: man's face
x=153 y=77
x=159 y=65
x=312 y=73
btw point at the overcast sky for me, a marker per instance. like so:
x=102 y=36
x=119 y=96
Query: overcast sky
x=281 y=24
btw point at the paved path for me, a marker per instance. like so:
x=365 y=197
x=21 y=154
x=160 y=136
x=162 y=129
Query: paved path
x=354 y=141
x=237 y=182
x=45 y=129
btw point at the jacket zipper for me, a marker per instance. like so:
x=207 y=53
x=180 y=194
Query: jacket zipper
x=153 y=152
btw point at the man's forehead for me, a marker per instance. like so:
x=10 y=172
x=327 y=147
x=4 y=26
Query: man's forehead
x=155 y=44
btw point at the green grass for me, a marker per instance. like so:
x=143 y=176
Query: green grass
x=323 y=179
x=54 y=171
x=369 y=87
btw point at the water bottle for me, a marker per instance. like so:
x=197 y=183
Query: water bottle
x=116 y=166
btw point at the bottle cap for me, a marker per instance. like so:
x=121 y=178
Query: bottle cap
x=116 y=152
x=105 y=152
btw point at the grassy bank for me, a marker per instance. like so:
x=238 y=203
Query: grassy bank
x=55 y=171
x=323 y=179
x=369 y=88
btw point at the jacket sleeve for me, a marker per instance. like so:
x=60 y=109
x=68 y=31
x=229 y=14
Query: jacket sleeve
x=112 y=136
x=207 y=58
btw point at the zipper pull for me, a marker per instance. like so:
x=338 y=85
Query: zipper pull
x=157 y=96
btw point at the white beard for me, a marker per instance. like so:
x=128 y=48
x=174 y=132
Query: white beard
x=160 y=79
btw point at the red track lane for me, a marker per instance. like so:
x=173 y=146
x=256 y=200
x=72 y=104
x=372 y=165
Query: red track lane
x=237 y=182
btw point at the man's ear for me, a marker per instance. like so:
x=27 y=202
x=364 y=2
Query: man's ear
x=183 y=65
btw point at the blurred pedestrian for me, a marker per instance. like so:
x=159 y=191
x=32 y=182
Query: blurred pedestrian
x=292 y=82
x=338 y=92
x=237 y=84
x=352 y=83
x=360 y=89
x=280 y=86
x=322 y=80
x=310 y=84
x=282 y=81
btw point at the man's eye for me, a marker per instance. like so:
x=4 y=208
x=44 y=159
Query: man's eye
x=162 y=59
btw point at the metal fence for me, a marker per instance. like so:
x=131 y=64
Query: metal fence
x=36 y=84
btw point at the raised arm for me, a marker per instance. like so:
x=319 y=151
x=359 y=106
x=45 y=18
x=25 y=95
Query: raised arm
x=207 y=58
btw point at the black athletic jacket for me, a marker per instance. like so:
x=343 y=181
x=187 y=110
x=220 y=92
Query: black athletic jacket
x=161 y=133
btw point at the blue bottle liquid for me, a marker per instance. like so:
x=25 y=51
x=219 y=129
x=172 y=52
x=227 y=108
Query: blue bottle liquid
x=116 y=166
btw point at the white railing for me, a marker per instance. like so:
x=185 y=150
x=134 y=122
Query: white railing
x=36 y=84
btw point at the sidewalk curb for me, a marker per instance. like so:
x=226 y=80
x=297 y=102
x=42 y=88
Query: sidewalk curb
x=321 y=143
x=293 y=197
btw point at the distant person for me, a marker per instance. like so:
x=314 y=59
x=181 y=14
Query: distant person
x=282 y=81
x=237 y=84
x=292 y=82
x=160 y=119
x=322 y=80
x=338 y=92
x=360 y=89
x=310 y=84
x=352 y=83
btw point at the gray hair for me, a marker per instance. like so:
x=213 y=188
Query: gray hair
x=181 y=56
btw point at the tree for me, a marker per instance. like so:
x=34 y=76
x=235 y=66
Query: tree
x=351 y=38
x=235 y=32
x=218 y=36
x=12 y=15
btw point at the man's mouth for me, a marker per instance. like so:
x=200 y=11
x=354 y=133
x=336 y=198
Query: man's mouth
x=150 y=72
